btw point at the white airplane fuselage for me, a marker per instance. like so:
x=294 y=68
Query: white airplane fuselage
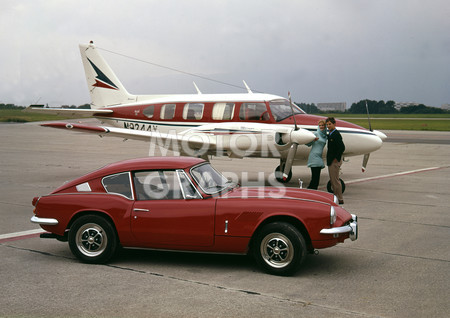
x=236 y=127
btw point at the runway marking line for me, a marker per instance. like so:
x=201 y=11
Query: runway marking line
x=20 y=235
x=397 y=174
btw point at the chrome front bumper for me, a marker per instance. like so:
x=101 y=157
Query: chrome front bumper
x=43 y=221
x=352 y=228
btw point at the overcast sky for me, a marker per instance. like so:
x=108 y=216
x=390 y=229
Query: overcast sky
x=319 y=50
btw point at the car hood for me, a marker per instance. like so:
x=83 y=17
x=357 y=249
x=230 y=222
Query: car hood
x=280 y=193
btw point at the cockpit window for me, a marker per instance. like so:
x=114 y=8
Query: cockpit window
x=281 y=109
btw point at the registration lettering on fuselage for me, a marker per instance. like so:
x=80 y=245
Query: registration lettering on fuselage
x=140 y=126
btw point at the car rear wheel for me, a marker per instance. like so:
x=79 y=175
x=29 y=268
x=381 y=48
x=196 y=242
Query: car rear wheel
x=279 y=248
x=93 y=239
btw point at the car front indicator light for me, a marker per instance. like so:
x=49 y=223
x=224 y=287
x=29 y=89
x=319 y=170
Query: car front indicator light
x=332 y=215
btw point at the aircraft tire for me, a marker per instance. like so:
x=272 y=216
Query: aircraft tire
x=331 y=190
x=279 y=174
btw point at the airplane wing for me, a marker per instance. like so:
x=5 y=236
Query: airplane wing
x=235 y=140
x=68 y=112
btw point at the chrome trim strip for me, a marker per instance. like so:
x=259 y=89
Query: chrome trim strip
x=337 y=230
x=43 y=221
x=141 y=210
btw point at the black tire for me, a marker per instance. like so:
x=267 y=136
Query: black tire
x=279 y=174
x=93 y=239
x=331 y=190
x=279 y=248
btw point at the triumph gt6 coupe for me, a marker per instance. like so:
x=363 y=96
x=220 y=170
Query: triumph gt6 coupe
x=184 y=204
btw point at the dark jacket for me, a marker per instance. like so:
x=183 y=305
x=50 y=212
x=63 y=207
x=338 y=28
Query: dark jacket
x=336 y=147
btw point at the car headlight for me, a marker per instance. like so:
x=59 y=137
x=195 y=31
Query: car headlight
x=332 y=215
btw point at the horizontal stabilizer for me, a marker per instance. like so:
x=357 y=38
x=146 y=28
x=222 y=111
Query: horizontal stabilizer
x=69 y=112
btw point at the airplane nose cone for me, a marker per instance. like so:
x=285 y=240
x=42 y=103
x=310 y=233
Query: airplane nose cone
x=382 y=136
x=302 y=136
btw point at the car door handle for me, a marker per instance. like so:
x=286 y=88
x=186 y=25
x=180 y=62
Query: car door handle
x=141 y=210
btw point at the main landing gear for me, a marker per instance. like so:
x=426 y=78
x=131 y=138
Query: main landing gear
x=329 y=189
x=279 y=177
x=279 y=174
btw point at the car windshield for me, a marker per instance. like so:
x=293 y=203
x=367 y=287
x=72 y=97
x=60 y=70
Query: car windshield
x=210 y=180
x=281 y=109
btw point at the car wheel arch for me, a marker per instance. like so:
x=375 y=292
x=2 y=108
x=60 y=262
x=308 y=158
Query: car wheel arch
x=298 y=224
x=102 y=214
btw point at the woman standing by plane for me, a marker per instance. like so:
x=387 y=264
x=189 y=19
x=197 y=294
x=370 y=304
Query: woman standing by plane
x=315 y=160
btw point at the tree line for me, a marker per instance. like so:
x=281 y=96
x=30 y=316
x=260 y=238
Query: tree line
x=12 y=106
x=378 y=107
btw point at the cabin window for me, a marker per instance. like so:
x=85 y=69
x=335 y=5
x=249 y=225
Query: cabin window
x=253 y=111
x=168 y=111
x=223 y=111
x=193 y=111
x=118 y=184
x=149 y=111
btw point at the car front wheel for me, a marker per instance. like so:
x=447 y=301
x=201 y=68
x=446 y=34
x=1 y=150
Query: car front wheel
x=279 y=248
x=93 y=239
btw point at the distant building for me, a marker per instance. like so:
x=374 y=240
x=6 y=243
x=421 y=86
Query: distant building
x=404 y=104
x=330 y=107
x=445 y=106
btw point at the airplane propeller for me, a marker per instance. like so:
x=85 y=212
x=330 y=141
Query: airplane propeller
x=367 y=155
x=296 y=139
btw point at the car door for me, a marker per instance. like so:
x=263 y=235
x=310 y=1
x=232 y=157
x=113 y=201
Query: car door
x=170 y=212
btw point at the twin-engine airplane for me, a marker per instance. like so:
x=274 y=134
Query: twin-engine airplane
x=233 y=125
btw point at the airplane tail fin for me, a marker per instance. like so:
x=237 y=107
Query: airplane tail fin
x=104 y=86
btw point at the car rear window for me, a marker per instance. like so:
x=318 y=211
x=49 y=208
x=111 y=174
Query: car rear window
x=118 y=184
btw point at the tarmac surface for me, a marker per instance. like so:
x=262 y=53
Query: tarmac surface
x=398 y=267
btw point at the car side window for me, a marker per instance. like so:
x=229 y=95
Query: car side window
x=118 y=184
x=188 y=189
x=163 y=185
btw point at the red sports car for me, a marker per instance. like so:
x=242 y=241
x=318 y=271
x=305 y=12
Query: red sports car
x=183 y=203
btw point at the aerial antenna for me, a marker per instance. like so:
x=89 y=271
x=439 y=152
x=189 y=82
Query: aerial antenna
x=175 y=70
x=292 y=109
x=248 y=88
x=367 y=155
x=196 y=87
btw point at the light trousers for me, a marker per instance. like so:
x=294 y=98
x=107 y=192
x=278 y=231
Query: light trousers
x=333 y=172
